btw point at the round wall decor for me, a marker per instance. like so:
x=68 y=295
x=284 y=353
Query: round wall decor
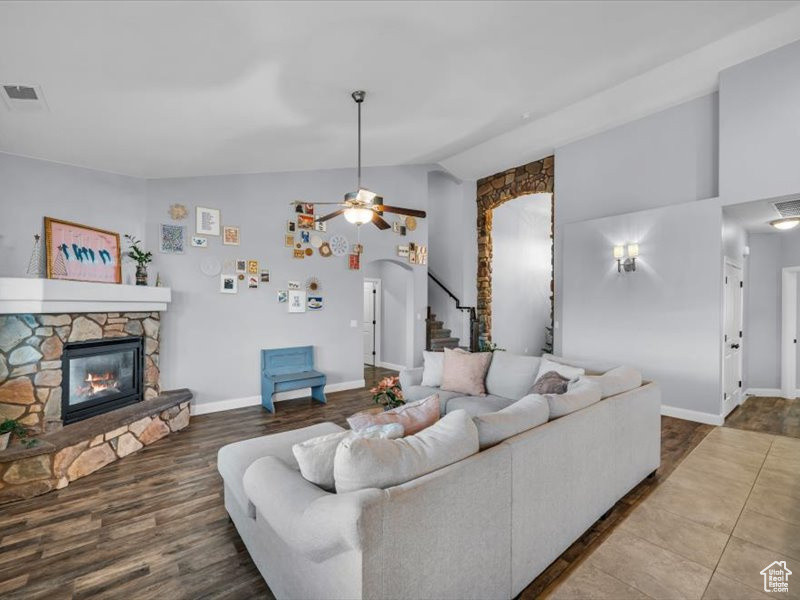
x=316 y=240
x=210 y=266
x=339 y=245
x=411 y=223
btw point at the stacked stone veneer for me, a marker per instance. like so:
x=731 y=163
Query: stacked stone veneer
x=533 y=178
x=30 y=359
x=35 y=475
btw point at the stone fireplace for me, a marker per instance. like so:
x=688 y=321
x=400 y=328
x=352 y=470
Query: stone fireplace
x=79 y=367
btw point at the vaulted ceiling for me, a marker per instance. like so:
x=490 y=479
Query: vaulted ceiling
x=167 y=89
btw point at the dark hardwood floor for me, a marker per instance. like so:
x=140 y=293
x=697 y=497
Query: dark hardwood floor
x=767 y=415
x=153 y=525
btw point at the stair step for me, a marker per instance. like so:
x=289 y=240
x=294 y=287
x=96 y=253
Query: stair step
x=435 y=324
x=440 y=333
x=449 y=342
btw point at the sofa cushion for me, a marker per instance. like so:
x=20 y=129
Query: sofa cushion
x=526 y=413
x=511 y=375
x=465 y=372
x=591 y=367
x=414 y=416
x=433 y=363
x=617 y=381
x=234 y=459
x=579 y=394
x=419 y=392
x=550 y=383
x=370 y=463
x=478 y=405
x=568 y=371
x=315 y=456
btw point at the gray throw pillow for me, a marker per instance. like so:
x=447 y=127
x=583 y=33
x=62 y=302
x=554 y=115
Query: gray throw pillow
x=550 y=383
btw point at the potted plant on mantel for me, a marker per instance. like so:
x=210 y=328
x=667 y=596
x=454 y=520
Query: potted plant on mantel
x=10 y=426
x=141 y=258
x=388 y=393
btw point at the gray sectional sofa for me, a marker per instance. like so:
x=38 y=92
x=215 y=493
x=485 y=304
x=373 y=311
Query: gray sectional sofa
x=483 y=527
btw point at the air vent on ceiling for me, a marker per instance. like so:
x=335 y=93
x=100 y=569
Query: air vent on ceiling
x=788 y=206
x=23 y=98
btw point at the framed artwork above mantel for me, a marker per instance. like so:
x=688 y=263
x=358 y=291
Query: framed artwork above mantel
x=81 y=253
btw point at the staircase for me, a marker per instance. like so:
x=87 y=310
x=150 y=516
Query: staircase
x=438 y=337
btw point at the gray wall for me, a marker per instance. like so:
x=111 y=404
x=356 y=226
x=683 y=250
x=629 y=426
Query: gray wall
x=521 y=271
x=33 y=189
x=212 y=340
x=668 y=158
x=759 y=114
x=664 y=318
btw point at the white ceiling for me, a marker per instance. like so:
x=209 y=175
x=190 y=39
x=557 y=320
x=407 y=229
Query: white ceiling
x=755 y=216
x=165 y=89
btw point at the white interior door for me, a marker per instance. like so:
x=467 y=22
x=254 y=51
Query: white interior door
x=732 y=339
x=789 y=332
x=369 y=325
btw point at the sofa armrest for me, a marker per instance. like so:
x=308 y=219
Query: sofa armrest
x=314 y=522
x=410 y=377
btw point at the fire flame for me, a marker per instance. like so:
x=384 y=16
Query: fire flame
x=99 y=382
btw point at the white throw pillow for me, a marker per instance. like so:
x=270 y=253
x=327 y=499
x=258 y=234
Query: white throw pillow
x=376 y=463
x=526 y=413
x=315 y=456
x=579 y=394
x=433 y=365
x=617 y=381
x=545 y=366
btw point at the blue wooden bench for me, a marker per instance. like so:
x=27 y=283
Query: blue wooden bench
x=284 y=369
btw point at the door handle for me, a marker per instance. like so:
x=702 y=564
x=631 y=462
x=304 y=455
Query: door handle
x=734 y=346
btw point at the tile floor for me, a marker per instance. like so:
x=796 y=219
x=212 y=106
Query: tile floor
x=731 y=508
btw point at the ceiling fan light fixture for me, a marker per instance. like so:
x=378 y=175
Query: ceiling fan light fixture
x=787 y=223
x=358 y=216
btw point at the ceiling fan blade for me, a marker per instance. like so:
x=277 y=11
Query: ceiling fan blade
x=296 y=202
x=330 y=216
x=411 y=212
x=379 y=221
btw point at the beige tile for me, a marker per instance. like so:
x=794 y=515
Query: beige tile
x=588 y=582
x=723 y=588
x=743 y=562
x=737 y=438
x=691 y=540
x=781 y=482
x=740 y=456
x=786 y=446
x=767 y=501
x=721 y=467
x=651 y=569
x=766 y=531
x=777 y=461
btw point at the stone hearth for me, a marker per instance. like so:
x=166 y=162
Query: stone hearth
x=31 y=349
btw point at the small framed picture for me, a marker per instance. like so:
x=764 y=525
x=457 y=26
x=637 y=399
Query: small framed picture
x=355 y=262
x=325 y=250
x=308 y=208
x=294 y=285
x=252 y=281
x=199 y=242
x=283 y=296
x=228 y=284
x=305 y=221
x=305 y=236
x=230 y=235
x=252 y=267
x=299 y=253
x=265 y=276
x=412 y=256
x=297 y=301
x=241 y=266
x=207 y=221
x=298 y=208
x=172 y=239
x=321 y=226
x=402 y=251
x=314 y=303
x=291 y=226
x=288 y=241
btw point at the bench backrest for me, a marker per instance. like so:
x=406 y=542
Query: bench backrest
x=280 y=361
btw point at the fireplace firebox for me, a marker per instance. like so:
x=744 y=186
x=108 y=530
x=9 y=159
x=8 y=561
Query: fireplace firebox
x=100 y=376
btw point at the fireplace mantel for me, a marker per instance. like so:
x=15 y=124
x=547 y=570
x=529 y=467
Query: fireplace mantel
x=20 y=295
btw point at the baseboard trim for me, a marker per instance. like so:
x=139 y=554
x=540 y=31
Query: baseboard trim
x=691 y=415
x=233 y=403
x=768 y=392
x=392 y=366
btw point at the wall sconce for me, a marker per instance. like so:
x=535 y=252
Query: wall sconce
x=627 y=263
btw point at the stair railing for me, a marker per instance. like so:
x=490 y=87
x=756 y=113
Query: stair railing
x=473 y=315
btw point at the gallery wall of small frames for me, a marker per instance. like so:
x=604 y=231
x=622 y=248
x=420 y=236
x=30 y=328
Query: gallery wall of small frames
x=304 y=238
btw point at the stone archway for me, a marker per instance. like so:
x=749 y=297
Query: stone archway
x=494 y=190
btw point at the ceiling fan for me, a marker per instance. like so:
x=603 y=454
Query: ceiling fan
x=363 y=205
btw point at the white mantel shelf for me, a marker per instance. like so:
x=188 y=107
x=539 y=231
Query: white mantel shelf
x=19 y=295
